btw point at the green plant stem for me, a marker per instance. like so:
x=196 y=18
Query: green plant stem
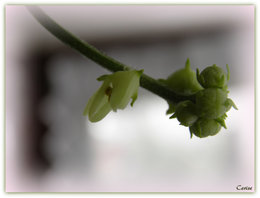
x=105 y=61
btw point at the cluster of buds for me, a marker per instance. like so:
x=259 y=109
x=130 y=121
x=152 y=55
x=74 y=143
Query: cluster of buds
x=204 y=116
x=207 y=114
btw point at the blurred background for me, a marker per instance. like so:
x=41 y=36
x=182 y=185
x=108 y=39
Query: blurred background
x=52 y=147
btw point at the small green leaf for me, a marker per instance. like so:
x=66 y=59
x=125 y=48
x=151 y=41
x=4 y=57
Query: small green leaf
x=221 y=121
x=171 y=108
x=229 y=103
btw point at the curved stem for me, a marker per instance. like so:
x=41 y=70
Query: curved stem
x=105 y=61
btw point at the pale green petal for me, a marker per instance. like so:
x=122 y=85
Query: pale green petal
x=98 y=106
x=103 y=77
x=90 y=101
x=125 y=85
x=139 y=72
x=134 y=97
x=115 y=93
x=99 y=100
x=101 y=113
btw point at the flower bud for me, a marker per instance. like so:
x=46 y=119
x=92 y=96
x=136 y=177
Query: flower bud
x=116 y=91
x=184 y=81
x=185 y=113
x=211 y=103
x=125 y=86
x=213 y=77
x=98 y=106
x=204 y=128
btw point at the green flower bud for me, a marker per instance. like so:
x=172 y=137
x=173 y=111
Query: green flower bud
x=204 y=128
x=115 y=92
x=98 y=107
x=211 y=103
x=185 y=113
x=125 y=86
x=184 y=81
x=213 y=77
